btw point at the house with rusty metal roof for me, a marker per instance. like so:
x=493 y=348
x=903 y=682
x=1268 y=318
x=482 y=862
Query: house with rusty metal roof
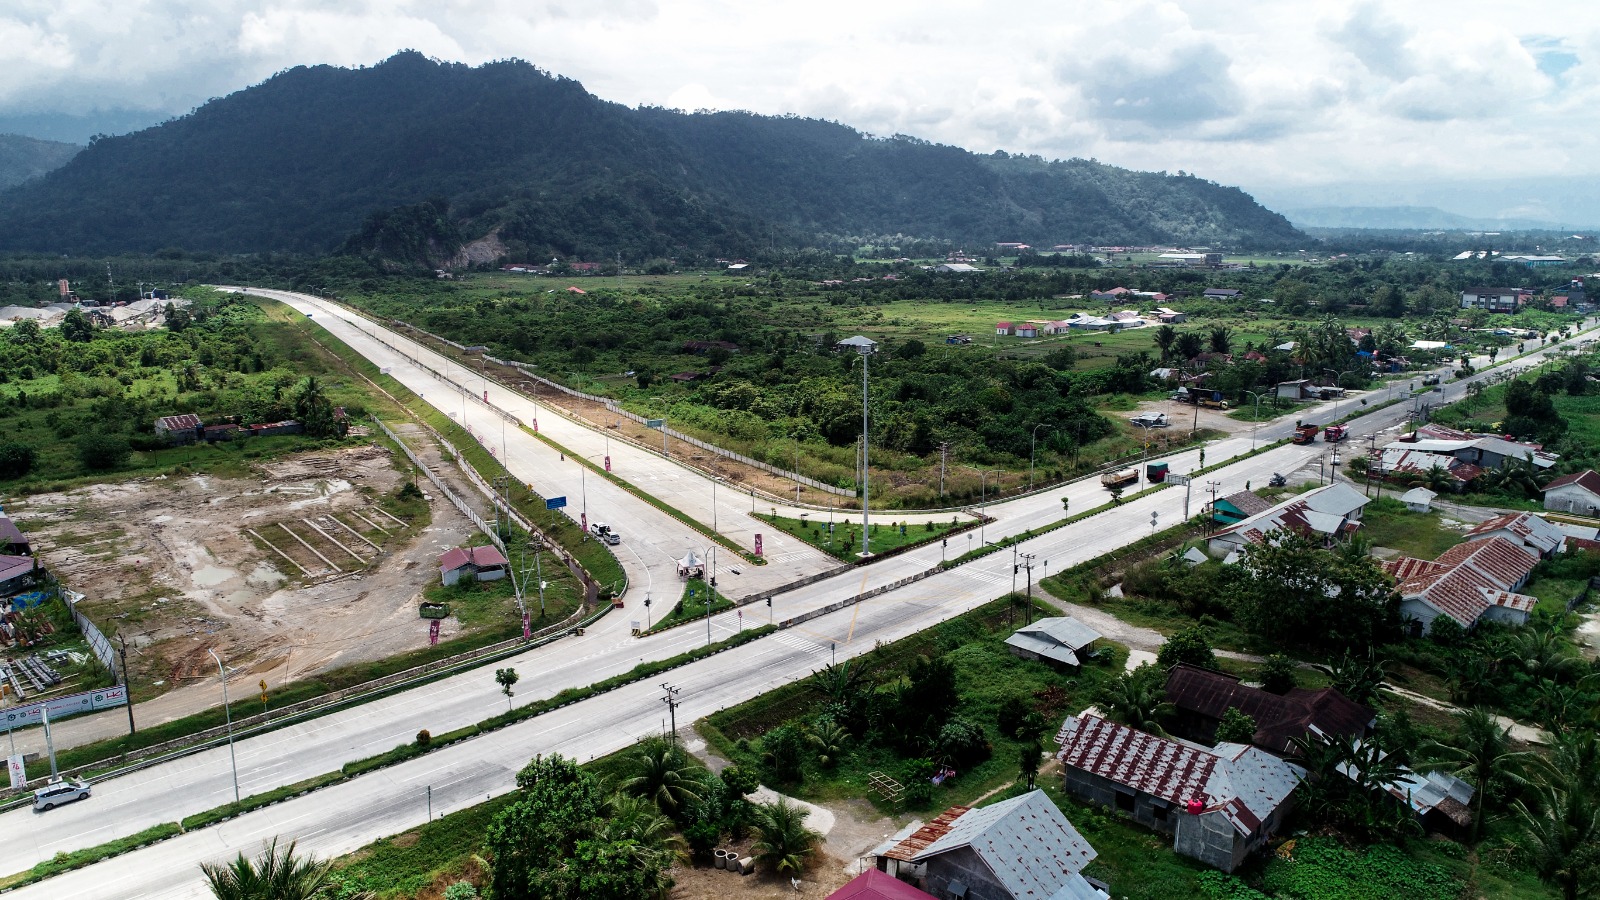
x=1531 y=531
x=1017 y=849
x=1218 y=803
x=1326 y=514
x=1470 y=582
x=1061 y=640
x=1201 y=697
x=1578 y=493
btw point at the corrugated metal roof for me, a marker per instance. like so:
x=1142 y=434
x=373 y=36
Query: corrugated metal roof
x=1588 y=479
x=1322 y=510
x=1279 y=718
x=1064 y=630
x=1532 y=530
x=1026 y=842
x=1244 y=783
x=183 y=422
x=1044 y=647
x=875 y=885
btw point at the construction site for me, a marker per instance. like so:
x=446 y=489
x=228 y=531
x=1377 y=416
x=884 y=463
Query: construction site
x=311 y=563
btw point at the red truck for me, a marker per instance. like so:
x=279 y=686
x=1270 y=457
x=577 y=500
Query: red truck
x=1305 y=434
x=1333 y=434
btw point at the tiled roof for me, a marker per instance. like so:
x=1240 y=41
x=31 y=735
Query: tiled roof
x=482 y=557
x=1323 y=510
x=1026 y=842
x=1533 y=530
x=875 y=885
x=1468 y=578
x=1588 y=479
x=1279 y=718
x=1242 y=782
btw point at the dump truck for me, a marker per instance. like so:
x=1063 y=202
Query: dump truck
x=1305 y=434
x=1120 y=478
x=1333 y=434
x=1200 y=397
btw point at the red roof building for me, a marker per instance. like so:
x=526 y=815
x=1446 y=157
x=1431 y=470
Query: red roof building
x=875 y=885
x=484 y=563
x=1470 y=581
x=1578 y=493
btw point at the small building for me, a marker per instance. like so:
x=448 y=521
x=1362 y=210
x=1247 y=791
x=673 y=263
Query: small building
x=1002 y=327
x=956 y=268
x=1201 y=697
x=1578 y=493
x=1170 y=316
x=1292 y=390
x=180 y=429
x=1017 y=849
x=1536 y=535
x=1219 y=804
x=859 y=343
x=1492 y=299
x=1235 y=508
x=875 y=885
x=12 y=541
x=484 y=563
x=1418 y=500
x=1027 y=330
x=1472 y=581
x=703 y=347
x=1061 y=640
x=1326 y=514
x=225 y=432
x=17 y=574
x=1221 y=293
x=267 y=429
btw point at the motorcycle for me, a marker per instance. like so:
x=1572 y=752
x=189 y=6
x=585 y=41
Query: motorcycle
x=1277 y=480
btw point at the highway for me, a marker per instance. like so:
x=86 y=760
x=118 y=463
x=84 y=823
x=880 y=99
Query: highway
x=349 y=815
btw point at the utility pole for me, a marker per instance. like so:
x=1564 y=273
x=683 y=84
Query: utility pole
x=127 y=688
x=1213 y=487
x=671 y=699
x=1027 y=563
x=944 y=459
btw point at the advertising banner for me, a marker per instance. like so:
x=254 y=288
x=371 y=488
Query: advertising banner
x=19 y=774
x=61 y=707
x=758 y=545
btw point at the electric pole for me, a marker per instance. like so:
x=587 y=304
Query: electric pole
x=127 y=688
x=1027 y=563
x=944 y=458
x=671 y=699
x=1213 y=487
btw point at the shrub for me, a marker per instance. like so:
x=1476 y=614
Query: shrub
x=1277 y=674
x=1189 y=645
x=1236 y=727
x=963 y=742
x=16 y=459
x=783 y=752
x=461 y=890
x=102 y=451
x=424 y=738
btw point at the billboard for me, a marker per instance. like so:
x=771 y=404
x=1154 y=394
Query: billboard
x=61 y=707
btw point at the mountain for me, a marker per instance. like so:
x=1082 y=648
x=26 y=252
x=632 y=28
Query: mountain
x=1405 y=217
x=315 y=155
x=22 y=158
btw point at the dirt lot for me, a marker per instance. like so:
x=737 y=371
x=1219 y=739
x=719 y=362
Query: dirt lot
x=1183 y=418
x=289 y=571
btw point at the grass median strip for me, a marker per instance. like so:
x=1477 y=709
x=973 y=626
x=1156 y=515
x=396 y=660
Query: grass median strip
x=77 y=859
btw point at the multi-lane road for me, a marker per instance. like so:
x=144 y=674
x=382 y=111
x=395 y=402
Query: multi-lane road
x=342 y=818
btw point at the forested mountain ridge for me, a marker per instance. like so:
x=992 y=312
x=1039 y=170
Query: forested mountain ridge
x=22 y=158
x=315 y=155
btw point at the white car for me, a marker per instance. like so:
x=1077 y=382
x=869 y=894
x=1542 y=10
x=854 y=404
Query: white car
x=56 y=793
x=604 y=533
x=1150 y=420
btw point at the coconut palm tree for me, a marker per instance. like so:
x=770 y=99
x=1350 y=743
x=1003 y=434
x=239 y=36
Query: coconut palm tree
x=1136 y=699
x=1361 y=678
x=1165 y=337
x=276 y=874
x=663 y=775
x=1482 y=754
x=828 y=739
x=1559 y=831
x=1221 y=339
x=783 y=840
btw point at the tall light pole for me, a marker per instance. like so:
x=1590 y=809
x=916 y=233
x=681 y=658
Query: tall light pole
x=1033 y=441
x=1255 y=418
x=1337 y=376
x=228 y=717
x=865 y=348
x=983 y=493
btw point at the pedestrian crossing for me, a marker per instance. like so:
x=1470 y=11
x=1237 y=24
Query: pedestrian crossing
x=794 y=641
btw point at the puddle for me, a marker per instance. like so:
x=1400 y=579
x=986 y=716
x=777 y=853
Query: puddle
x=211 y=576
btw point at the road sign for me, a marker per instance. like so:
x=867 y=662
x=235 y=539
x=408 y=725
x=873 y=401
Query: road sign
x=555 y=502
x=1177 y=479
x=655 y=423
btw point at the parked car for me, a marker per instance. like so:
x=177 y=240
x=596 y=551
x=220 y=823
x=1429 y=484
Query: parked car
x=604 y=533
x=1151 y=420
x=67 y=790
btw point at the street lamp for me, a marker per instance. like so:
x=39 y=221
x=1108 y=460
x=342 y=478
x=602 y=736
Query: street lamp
x=1255 y=418
x=1337 y=377
x=983 y=493
x=865 y=348
x=1033 y=439
x=228 y=717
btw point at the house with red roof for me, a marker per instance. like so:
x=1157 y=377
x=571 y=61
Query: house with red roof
x=1471 y=582
x=1578 y=493
x=1326 y=514
x=874 y=885
x=1218 y=804
x=1002 y=328
x=1201 y=697
x=484 y=563
x=1534 y=533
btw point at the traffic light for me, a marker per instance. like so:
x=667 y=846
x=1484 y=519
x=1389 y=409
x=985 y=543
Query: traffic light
x=769 y=603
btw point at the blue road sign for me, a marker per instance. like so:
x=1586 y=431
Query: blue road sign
x=555 y=502
x=654 y=423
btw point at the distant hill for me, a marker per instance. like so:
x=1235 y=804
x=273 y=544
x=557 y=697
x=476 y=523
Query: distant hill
x=1403 y=217
x=22 y=158
x=315 y=156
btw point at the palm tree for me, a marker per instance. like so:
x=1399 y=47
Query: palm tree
x=663 y=775
x=1361 y=679
x=1482 y=753
x=783 y=840
x=1165 y=337
x=828 y=738
x=1558 y=836
x=274 y=875
x=1221 y=339
x=1136 y=699
x=1541 y=651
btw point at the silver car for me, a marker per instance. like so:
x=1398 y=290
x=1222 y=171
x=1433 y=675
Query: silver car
x=58 y=792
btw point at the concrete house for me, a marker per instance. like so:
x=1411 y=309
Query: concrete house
x=1218 y=804
x=1235 y=508
x=1027 y=330
x=1493 y=299
x=1473 y=581
x=473 y=563
x=1578 y=493
x=1002 y=328
x=1017 y=849
x=1327 y=514
x=1418 y=500
x=1061 y=640
x=1531 y=531
x=1201 y=698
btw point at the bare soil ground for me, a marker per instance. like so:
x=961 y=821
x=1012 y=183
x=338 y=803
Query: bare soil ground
x=1183 y=418
x=289 y=572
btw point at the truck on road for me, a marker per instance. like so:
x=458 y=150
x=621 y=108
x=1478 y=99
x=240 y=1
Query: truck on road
x=1120 y=478
x=1305 y=434
x=1333 y=434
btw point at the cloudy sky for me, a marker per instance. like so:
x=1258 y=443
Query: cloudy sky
x=1287 y=99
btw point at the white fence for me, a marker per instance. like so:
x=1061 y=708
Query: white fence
x=98 y=645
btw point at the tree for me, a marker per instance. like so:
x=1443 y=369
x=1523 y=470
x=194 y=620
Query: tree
x=76 y=327
x=1289 y=589
x=1481 y=752
x=506 y=678
x=276 y=874
x=1361 y=678
x=1165 y=337
x=1188 y=345
x=25 y=333
x=1277 y=673
x=102 y=451
x=1236 y=727
x=828 y=739
x=1187 y=645
x=783 y=753
x=1221 y=339
x=739 y=782
x=1028 y=760
x=663 y=774
x=1136 y=699
x=312 y=409
x=783 y=841
x=16 y=459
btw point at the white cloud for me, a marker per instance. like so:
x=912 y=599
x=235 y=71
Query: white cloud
x=1250 y=91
